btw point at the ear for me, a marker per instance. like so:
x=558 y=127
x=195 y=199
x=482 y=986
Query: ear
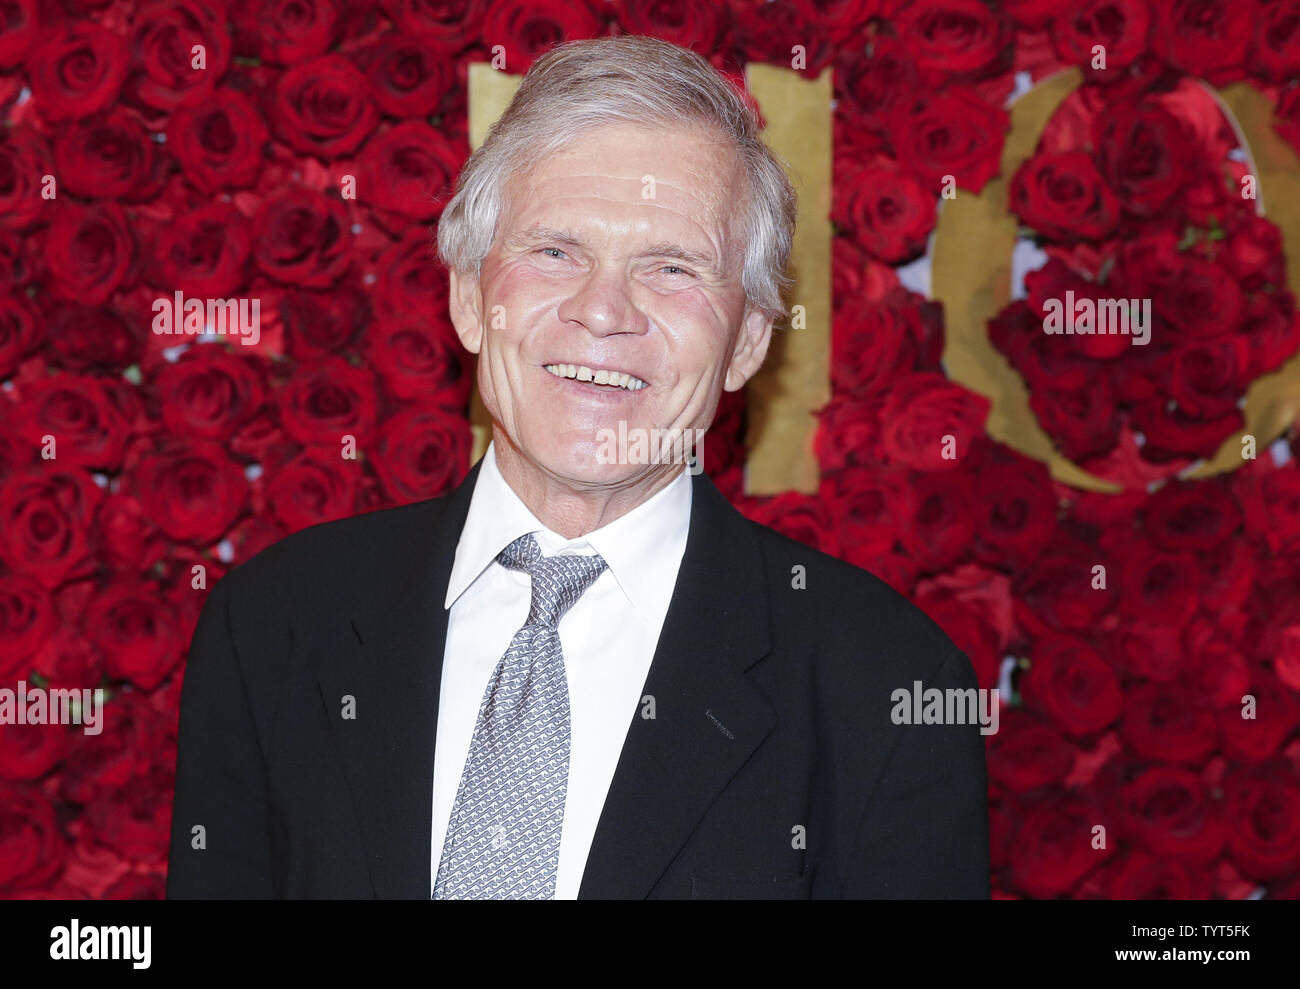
x=466 y=307
x=751 y=348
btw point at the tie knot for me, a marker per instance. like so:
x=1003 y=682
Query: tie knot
x=558 y=581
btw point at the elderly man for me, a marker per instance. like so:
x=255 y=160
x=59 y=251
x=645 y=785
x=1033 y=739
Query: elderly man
x=582 y=673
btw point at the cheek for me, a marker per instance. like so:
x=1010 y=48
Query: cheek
x=694 y=326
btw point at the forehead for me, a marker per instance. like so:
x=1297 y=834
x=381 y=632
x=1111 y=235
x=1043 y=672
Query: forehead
x=633 y=177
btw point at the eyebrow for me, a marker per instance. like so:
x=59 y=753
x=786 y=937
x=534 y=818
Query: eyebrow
x=662 y=249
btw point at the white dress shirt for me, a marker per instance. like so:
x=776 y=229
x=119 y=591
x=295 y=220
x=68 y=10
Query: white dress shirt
x=608 y=637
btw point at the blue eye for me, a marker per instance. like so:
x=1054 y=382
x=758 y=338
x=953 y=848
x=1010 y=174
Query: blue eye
x=558 y=252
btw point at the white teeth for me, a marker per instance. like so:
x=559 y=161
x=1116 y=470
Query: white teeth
x=603 y=376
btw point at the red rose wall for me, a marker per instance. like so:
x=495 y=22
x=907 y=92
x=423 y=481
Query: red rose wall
x=135 y=165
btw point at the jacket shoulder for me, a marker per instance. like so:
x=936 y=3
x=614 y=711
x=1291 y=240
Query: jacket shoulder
x=340 y=550
x=844 y=605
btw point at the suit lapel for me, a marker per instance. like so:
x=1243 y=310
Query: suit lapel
x=708 y=716
x=393 y=669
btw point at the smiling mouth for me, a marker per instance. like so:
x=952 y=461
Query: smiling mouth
x=599 y=376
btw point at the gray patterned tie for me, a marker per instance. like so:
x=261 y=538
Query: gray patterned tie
x=503 y=839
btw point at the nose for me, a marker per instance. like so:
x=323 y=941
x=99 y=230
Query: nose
x=601 y=304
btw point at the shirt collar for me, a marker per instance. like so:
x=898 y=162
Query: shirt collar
x=642 y=548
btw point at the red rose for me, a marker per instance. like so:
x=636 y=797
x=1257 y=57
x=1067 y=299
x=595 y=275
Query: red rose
x=1276 y=54
x=136 y=631
x=18 y=31
x=1276 y=715
x=447 y=24
x=929 y=422
x=1082 y=423
x=20 y=332
x=192 y=490
x=763 y=31
x=1147 y=650
x=1168 y=811
x=107 y=156
x=323 y=107
x=868 y=504
x=163 y=38
x=1171 y=434
x=1027 y=753
x=530 y=28
x=129 y=541
x=209 y=392
x=421 y=453
x=407 y=77
x=133 y=734
x=875 y=341
x=203 y=252
x=1254 y=251
x=421 y=359
x=952 y=134
x=888 y=211
x=848 y=433
x=320 y=323
x=1271 y=329
x=77 y=71
x=1201 y=37
x=28 y=752
x=1263 y=814
x=85 y=339
x=969 y=629
x=1200 y=300
x=219 y=141
x=45 y=520
x=699 y=27
x=1069 y=682
x=134 y=821
x=83 y=414
x=842 y=20
x=285 y=31
x=90 y=252
x=1053 y=850
x=1195 y=516
x=26 y=618
x=1064 y=196
x=883 y=84
x=1144 y=156
x=1015 y=508
x=32 y=847
x=940 y=530
x=1272 y=515
x=316 y=486
x=1167 y=723
x=408 y=170
x=1156 y=586
x=1119 y=26
x=798 y=516
x=951 y=36
x=1139 y=876
x=301 y=237
x=24 y=161
x=411 y=282
x=1207 y=378
x=326 y=401
x=18 y=268
x=1047 y=289
x=1057 y=592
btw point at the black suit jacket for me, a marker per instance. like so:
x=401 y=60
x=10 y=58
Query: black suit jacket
x=771 y=767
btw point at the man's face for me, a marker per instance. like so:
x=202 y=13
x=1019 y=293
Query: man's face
x=619 y=253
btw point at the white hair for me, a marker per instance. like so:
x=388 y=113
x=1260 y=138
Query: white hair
x=626 y=79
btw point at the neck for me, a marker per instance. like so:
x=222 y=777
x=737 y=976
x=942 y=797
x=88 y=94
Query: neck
x=569 y=507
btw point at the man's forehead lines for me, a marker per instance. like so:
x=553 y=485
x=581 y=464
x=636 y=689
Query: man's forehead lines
x=659 y=248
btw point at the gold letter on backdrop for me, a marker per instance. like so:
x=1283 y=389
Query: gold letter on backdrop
x=795 y=380
x=971 y=275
